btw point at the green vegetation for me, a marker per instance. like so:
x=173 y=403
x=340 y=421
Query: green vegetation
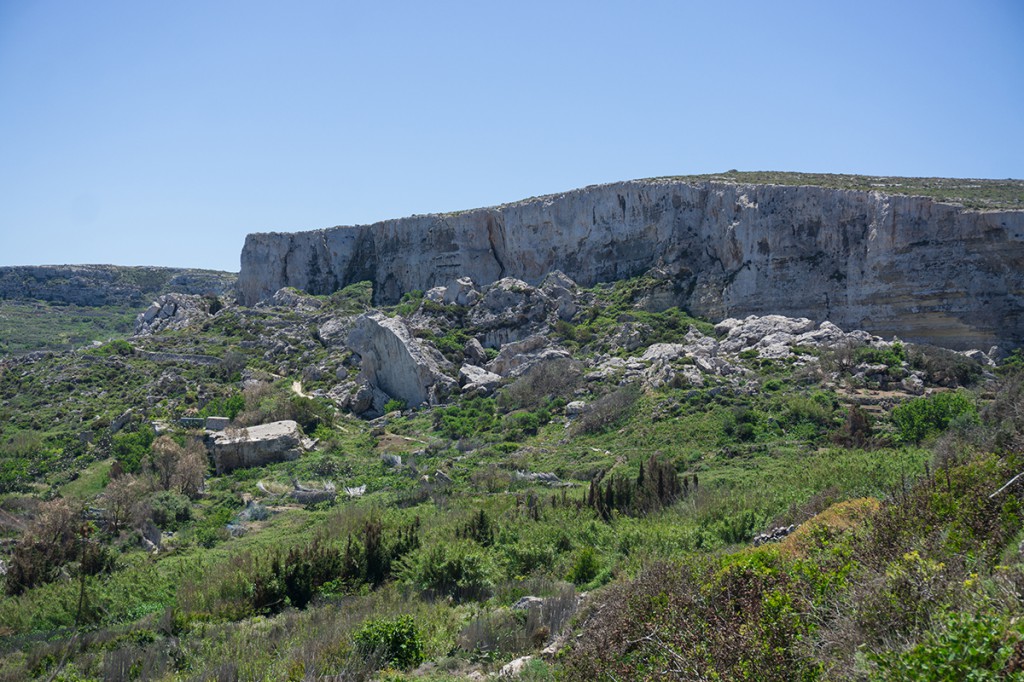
x=904 y=562
x=977 y=194
x=37 y=325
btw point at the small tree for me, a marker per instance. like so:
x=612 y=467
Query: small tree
x=123 y=500
x=162 y=459
x=48 y=544
x=190 y=470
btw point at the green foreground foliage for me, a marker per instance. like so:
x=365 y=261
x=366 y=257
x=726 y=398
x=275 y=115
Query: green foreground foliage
x=904 y=564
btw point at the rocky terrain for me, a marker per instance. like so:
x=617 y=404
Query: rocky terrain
x=532 y=474
x=107 y=285
x=924 y=270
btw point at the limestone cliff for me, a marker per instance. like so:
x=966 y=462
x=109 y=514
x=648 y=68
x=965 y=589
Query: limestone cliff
x=97 y=285
x=905 y=265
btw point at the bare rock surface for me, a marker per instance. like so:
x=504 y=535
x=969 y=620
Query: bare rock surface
x=171 y=311
x=255 y=445
x=396 y=362
x=892 y=265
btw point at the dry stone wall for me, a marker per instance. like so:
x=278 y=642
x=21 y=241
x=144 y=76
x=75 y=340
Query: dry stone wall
x=909 y=266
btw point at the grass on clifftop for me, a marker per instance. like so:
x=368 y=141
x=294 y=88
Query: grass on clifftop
x=972 y=193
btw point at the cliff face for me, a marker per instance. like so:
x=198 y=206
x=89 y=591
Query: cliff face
x=926 y=271
x=96 y=285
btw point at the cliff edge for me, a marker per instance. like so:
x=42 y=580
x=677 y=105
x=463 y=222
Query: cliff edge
x=910 y=266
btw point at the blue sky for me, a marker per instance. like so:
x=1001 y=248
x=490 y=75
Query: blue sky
x=161 y=133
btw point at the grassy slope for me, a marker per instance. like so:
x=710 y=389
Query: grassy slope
x=38 y=325
x=781 y=470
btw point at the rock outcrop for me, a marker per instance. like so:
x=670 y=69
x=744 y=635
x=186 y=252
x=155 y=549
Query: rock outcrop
x=171 y=311
x=904 y=265
x=96 y=285
x=255 y=445
x=394 y=361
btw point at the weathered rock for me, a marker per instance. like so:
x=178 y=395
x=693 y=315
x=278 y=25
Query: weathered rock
x=436 y=294
x=575 y=408
x=334 y=332
x=515 y=358
x=762 y=332
x=396 y=362
x=306 y=495
x=510 y=310
x=527 y=603
x=890 y=264
x=461 y=292
x=514 y=669
x=96 y=285
x=255 y=445
x=478 y=379
x=474 y=352
x=289 y=297
x=171 y=311
x=560 y=289
x=664 y=352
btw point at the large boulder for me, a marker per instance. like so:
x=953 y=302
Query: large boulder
x=478 y=379
x=255 y=446
x=394 y=361
x=515 y=358
x=461 y=292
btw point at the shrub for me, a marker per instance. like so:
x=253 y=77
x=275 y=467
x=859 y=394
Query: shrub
x=169 y=509
x=391 y=641
x=129 y=447
x=540 y=384
x=519 y=425
x=944 y=367
x=228 y=406
x=585 y=567
x=921 y=417
x=394 y=405
x=891 y=357
x=459 y=570
x=966 y=647
x=608 y=410
x=469 y=418
x=47 y=545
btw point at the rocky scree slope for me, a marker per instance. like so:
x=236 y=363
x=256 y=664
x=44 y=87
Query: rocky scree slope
x=906 y=265
x=436 y=348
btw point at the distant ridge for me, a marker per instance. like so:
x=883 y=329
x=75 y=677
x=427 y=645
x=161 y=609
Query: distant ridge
x=98 y=285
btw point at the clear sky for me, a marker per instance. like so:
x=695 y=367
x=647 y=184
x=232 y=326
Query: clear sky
x=161 y=133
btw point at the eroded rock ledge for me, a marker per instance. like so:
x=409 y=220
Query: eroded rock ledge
x=924 y=270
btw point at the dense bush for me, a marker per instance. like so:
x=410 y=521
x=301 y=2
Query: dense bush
x=459 y=570
x=465 y=419
x=391 y=641
x=966 y=647
x=922 y=417
x=129 y=447
x=944 y=367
